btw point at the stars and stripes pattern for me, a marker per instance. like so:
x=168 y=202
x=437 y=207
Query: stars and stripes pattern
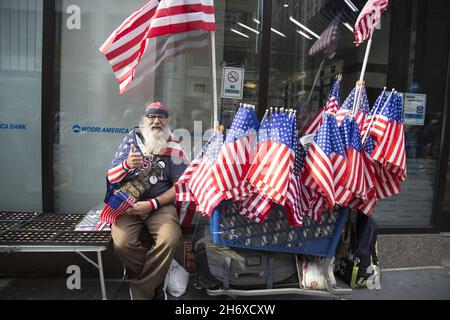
x=271 y=178
x=339 y=168
x=358 y=101
x=116 y=206
x=164 y=48
x=333 y=105
x=368 y=19
x=207 y=194
x=326 y=161
x=294 y=208
x=125 y=47
x=234 y=159
x=327 y=43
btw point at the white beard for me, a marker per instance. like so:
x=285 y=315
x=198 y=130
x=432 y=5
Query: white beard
x=155 y=141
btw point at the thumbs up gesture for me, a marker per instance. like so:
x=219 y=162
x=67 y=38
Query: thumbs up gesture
x=135 y=158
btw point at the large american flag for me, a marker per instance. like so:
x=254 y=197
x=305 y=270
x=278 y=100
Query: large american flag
x=368 y=19
x=126 y=45
x=234 y=159
x=164 y=48
x=327 y=43
x=271 y=178
x=207 y=194
x=333 y=105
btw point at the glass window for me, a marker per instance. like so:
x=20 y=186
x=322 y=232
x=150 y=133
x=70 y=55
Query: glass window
x=20 y=104
x=400 y=58
x=239 y=33
x=94 y=118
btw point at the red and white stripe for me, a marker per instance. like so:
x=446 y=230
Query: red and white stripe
x=165 y=48
x=232 y=166
x=293 y=202
x=356 y=182
x=256 y=208
x=271 y=178
x=110 y=214
x=315 y=123
x=320 y=168
x=201 y=184
x=119 y=172
x=368 y=19
x=126 y=45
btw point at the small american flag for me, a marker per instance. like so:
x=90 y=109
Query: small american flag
x=368 y=19
x=255 y=206
x=126 y=45
x=332 y=105
x=116 y=206
x=379 y=103
x=271 y=178
x=357 y=98
x=206 y=192
x=326 y=161
x=327 y=43
x=356 y=182
x=234 y=159
x=293 y=201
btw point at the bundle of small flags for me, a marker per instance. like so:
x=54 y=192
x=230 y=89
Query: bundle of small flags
x=356 y=158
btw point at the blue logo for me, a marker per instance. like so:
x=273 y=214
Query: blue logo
x=102 y=130
x=76 y=128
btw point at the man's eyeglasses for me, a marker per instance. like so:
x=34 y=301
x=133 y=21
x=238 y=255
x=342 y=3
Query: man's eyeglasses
x=156 y=116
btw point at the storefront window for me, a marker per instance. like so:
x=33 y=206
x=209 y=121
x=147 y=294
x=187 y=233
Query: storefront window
x=94 y=118
x=241 y=35
x=400 y=58
x=20 y=104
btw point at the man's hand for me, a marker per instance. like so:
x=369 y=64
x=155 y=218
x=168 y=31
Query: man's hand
x=141 y=209
x=134 y=159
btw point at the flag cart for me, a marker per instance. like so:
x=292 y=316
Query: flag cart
x=229 y=228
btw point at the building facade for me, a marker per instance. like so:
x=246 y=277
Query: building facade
x=62 y=118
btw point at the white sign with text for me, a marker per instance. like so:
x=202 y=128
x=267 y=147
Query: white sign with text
x=233 y=83
x=414 y=107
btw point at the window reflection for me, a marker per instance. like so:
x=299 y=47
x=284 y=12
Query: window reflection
x=303 y=68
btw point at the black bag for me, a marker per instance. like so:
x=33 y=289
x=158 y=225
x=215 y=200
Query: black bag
x=222 y=267
x=360 y=263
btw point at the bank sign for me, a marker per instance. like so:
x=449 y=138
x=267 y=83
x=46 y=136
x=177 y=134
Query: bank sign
x=99 y=130
x=233 y=83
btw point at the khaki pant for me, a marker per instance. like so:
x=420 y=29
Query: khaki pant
x=150 y=265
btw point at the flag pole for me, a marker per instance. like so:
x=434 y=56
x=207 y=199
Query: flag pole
x=214 y=75
x=315 y=81
x=363 y=73
x=369 y=128
x=366 y=59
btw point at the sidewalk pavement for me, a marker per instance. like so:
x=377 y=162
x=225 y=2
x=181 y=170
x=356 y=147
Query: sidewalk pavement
x=432 y=283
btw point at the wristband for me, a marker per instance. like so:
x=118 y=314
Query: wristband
x=154 y=203
x=125 y=165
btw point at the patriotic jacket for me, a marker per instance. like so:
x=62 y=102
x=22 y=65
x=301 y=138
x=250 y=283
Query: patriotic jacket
x=165 y=169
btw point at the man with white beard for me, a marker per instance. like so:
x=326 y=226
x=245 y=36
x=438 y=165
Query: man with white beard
x=149 y=146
